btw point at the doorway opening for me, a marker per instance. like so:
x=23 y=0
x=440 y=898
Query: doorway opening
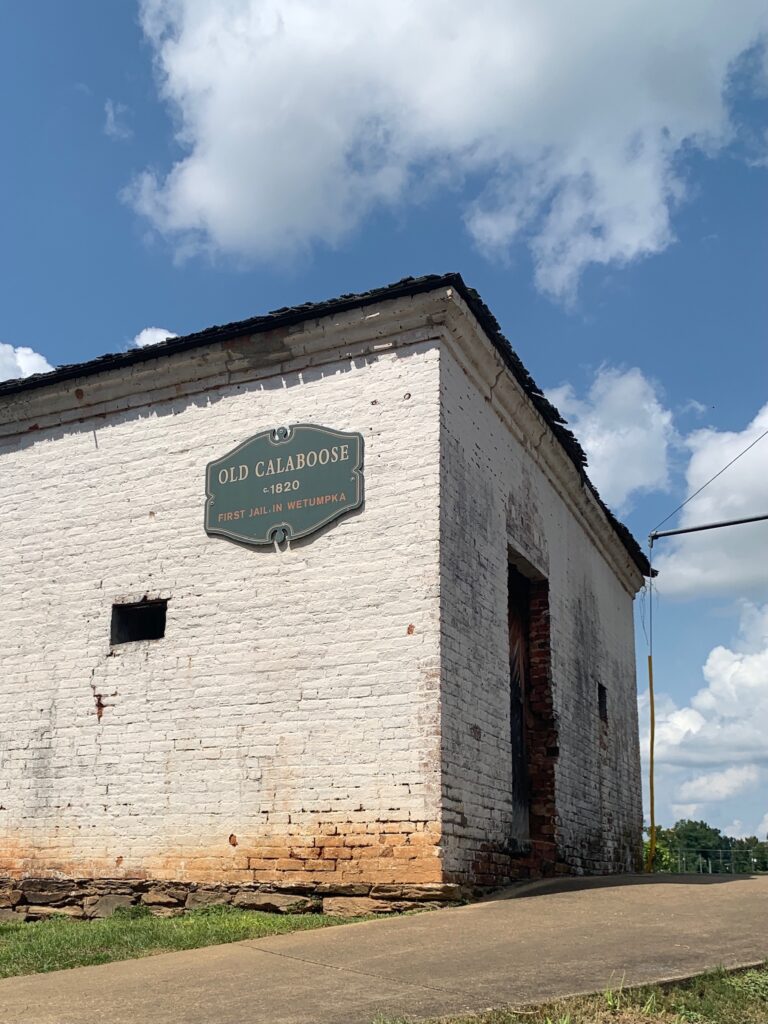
x=518 y=616
x=533 y=728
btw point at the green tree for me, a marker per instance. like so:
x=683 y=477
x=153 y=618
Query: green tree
x=663 y=859
x=701 y=847
x=696 y=846
x=749 y=854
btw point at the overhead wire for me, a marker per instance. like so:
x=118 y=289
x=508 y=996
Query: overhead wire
x=719 y=473
x=651 y=697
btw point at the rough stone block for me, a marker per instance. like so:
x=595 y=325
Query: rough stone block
x=12 y=916
x=165 y=896
x=342 y=889
x=48 y=890
x=207 y=898
x=113 y=886
x=293 y=888
x=354 y=906
x=9 y=896
x=359 y=906
x=49 y=911
x=439 y=892
x=105 y=906
x=274 y=902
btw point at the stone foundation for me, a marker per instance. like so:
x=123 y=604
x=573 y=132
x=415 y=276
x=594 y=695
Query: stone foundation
x=31 y=899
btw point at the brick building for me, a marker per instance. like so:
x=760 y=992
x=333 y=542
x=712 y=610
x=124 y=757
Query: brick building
x=434 y=688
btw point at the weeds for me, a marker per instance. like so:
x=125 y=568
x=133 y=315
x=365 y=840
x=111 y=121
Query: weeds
x=59 y=942
x=715 y=998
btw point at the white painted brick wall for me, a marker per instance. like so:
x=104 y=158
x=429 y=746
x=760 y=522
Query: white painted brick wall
x=495 y=494
x=291 y=722
x=288 y=692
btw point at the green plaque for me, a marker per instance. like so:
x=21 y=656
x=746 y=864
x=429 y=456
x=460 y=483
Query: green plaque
x=284 y=484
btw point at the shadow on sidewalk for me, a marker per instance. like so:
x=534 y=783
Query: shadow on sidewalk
x=547 y=886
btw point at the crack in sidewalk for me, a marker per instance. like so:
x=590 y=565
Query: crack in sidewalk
x=364 y=974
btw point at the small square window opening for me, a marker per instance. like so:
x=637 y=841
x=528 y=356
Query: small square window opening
x=144 y=620
x=602 y=702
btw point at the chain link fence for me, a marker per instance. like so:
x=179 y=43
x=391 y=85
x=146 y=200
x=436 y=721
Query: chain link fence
x=722 y=861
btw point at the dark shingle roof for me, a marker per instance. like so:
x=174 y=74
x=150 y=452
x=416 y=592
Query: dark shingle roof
x=315 y=310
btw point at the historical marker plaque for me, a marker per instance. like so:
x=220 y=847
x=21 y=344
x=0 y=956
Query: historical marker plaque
x=284 y=484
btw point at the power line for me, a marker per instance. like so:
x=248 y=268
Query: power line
x=719 y=473
x=654 y=535
x=705 y=526
x=652 y=710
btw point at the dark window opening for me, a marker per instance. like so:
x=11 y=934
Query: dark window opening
x=518 y=614
x=144 y=620
x=602 y=702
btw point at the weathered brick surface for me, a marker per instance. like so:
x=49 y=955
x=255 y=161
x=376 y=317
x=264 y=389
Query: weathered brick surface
x=287 y=724
x=328 y=721
x=500 y=500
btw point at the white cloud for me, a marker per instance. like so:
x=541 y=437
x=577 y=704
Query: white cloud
x=152 y=336
x=684 y=811
x=762 y=829
x=727 y=559
x=115 y=125
x=712 y=786
x=692 y=406
x=298 y=118
x=21 y=362
x=726 y=722
x=625 y=431
x=735 y=829
x=711 y=754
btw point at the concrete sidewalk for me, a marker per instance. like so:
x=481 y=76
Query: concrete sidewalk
x=553 y=939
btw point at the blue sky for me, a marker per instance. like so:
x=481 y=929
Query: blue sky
x=602 y=186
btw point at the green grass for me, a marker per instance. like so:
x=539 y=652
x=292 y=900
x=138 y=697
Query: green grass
x=719 y=997
x=59 y=942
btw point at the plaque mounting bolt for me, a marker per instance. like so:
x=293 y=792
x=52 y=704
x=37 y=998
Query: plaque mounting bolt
x=281 y=536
